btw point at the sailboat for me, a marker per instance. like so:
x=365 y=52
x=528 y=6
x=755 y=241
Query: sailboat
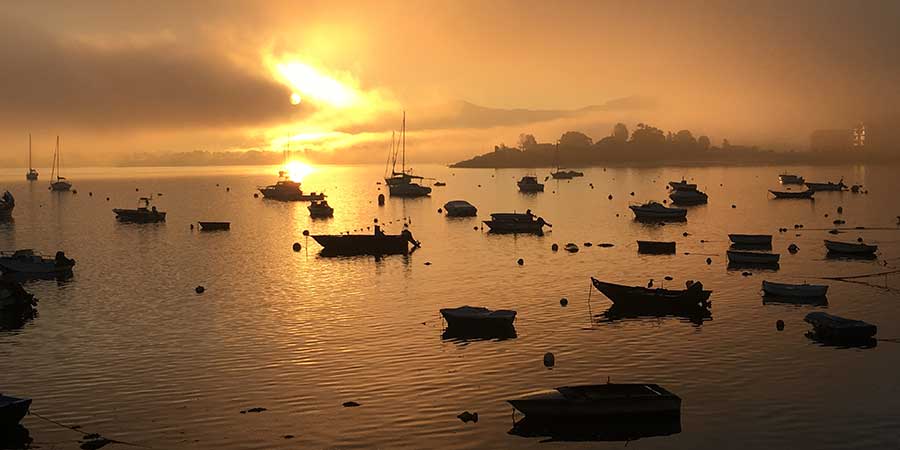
x=61 y=184
x=32 y=174
x=400 y=184
x=563 y=174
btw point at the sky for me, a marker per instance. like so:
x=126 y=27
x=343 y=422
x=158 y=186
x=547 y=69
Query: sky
x=120 y=78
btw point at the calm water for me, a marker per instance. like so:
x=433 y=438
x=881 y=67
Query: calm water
x=127 y=349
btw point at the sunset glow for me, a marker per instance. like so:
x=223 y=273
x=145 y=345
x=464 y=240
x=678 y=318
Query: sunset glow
x=297 y=170
x=309 y=82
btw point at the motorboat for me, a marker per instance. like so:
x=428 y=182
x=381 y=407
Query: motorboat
x=786 y=178
x=656 y=247
x=741 y=257
x=460 y=208
x=850 y=248
x=7 y=204
x=828 y=327
x=807 y=194
x=376 y=244
x=529 y=184
x=688 y=197
x=61 y=184
x=320 y=209
x=516 y=223
x=794 y=290
x=611 y=399
x=12 y=410
x=403 y=183
x=654 y=211
x=214 y=226
x=143 y=214
x=475 y=319
x=828 y=186
x=27 y=261
x=693 y=298
x=751 y=239
x=682 y=185
x=287 y=190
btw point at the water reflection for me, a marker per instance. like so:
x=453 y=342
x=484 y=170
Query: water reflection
x=798 y=301
x=616 y=313
x=628 y=428
x=15 y=438
x=844 y=343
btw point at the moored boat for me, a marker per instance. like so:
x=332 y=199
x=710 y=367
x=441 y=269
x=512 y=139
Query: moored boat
x=460 y=208
x=287 y=190
x=566 y=174
x=850 y=248
x=688 y=197
x=61 y=184
x=829 y=186
x=320 y=209
x=516 y=223
x=682 y=185
x=610 y=428
x=656 y=247
x=751 y=239
x=694 y=298
x=741 y=257
x=143 y=214
x=611 y=399
x=807 y=194
x=7 y=204
x=787 y=178
x=403 y=183
x=654 y=211
x=32 y=174
x=215 y=226
x=530 y=183
x=12 y=410
x=571 y=247
x=478 y=319
x=794 y=290
x=829 y=327
x=376 y=244
x=26 y=261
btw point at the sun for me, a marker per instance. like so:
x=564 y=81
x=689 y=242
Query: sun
x=295 y=98
x=312 y=83
x=297 y=170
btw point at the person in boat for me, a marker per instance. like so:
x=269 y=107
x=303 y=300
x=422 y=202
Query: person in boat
x=378 y=231
x=529 y=214
x=409 y=237
x=60 y=260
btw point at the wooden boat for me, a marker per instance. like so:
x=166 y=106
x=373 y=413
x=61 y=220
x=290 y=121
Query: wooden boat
x=61 y=184
x=653 y=211
x=688 y=197
x=807 y=194
x=694 y=298
x=611 y=399
x=740 y=257
x=794 y=290
x=829 y=327
x=320 y=209
x=366 y=244
x=32 y=174
x=751 y=239
x=682 y=185
x=656 y=247
x=476 y=318
x=829 y=186
x=403 y=183
x=12 y=410
x=460 y=208
x=530 y=184
x=215 y=226
x=516 y=223
x=786 y=178
x=7 y=204
x=28 y=262
x=143 y=214
x=850 y=248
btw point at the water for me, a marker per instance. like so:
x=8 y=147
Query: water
x=127 y=349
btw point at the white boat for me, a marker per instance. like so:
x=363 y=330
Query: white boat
x=7 y=203
x=27 y=261
x=794 y=290
x=61 y=184
x=460 y=208
x=530 y=183
x=403 y=183
x=739 y=257
x=609 y=399
x=786 y=178
x=850 y=248
x=32 y=174
x=751 y=239
x=656 y=211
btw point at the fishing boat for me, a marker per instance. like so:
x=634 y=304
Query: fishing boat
x=376 y=244
x=478 y=319
x=654 y=211
x=27 y=261
x=460 y=208
x=682 y=185
x=741 y=257
x=516 y=223
x=794 y=290
x=7 y=204
x=214 y=226
x=688 y=197
x=828 y=327
x=61 y=184
x=807 y=194
x=850 y=248
x=611 y=399
x=751 y=239
x=12 y=410
x=403 y=183
x=787 y=178
x=144 y=213
x=656 y=247
x=32 y=174
x=829 y=186
x=661 y=300
x=529 y=184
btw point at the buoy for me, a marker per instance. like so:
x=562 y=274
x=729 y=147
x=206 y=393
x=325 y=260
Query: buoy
x=475 y=228
x=199 y=289
x=840 y=210
x=733 y=206
x=107 y=198
x=297 y=247
x=859 y=239
x=427 y=263
x=610 y=196
x=708 y=261
x=521 y=262
x=632 y=193
x=563 y=301
x=779 y=325
x=228 y=189
x=554 y=247
x=306 y=232
x=255 y=195
x=685 y=234
x=549 y=360
x=90 y=193
x=587 y=244
x=192 y=226
x=793 y=248
x=380 y=199
x=440 y=210
x=746 y=274
x=668 y=278
x=136 y=189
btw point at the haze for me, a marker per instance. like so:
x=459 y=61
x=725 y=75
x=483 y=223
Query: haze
x=116 y=79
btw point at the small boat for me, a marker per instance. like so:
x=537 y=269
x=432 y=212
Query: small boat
x=850 y=248
x=807 y=194
x=530 y=184
x=13 y=297
x=828 y=327
x=694 y=298
x=61 y=184
x=829 y=186
x=566 y=174
x=320 y=209
x=215 y=226
x=32 y=174
x=623 y=428
x=740 y=257
x=682 y=185
x=287 y=190
x=440 y=183
x=403 y=183
x=7 y=203
x=653 y=211
x=28 y=262
x=12 y=410
x=478 y=319
x=611 y=399
x=751 y=239
x=794 y=290
x=571 y=247
x=516 y=223
x=786 y=178
x=656 y=247
x=143 y=214
x=376 y=244
x=688 y=197
x=460 y=208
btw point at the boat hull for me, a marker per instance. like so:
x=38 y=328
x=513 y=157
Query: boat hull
x=688 y=198
x=848 y=248
x=807 y=194
x=514 y=227
x=751 y=239
x=138 y=216
x=478 y=322
x=794 y=290
x=826 y=186
x=33 y=267
x=60 y=186
x=833 y=328
x=408 y=190
x=656 y=248
x=12 y=410
x=608 y=400
x=529 y=188
x=661 y=301
x=362 y=244
x=791 y=179
x=649 y=214
x=739 y=257
x=215 y=226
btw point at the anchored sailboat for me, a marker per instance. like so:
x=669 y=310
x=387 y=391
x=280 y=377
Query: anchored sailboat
x=400 y=184
x=32 y=174
x=61 y=184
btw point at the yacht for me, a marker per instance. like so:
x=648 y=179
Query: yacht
x=403 y=183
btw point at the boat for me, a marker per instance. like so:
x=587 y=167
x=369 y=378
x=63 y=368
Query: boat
x=688 y=197
x=694 y=298
x=850 y=248
x=833 y=328
x=787 y=178
x=653 y=211
x=320 y=209
x=794 y=290
x=606 y=429
x=61 y=184
x=215 y=226
x=807 y=194
x=656 y=247
x=476 y=319
x=682 y=185
x=571 y=247
x=143 y=214
x=12 y=410
x=7 y=204
x=741 y=257
x=376 y=244
x=516 y=223
x=529 y=184
x=287 y=190
x=829 y=186
x=460 y=208
x=440 y=184
x=14 y=297
x=27 y=261
x=751 y=239
x=565 y=174
x=32 y=174
x=403 y=183
x=611 y=399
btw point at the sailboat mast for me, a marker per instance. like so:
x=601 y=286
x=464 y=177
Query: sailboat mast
x=29 y=152
x=404 y=143
x=58 y=158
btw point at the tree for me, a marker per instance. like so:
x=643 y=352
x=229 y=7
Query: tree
x=575 y=139
x=645 y=135
x=620 y=132
x=526 y=141
x=684 y=138
x=703 y=142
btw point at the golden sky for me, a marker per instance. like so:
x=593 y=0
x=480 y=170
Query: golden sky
x=120 y=77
